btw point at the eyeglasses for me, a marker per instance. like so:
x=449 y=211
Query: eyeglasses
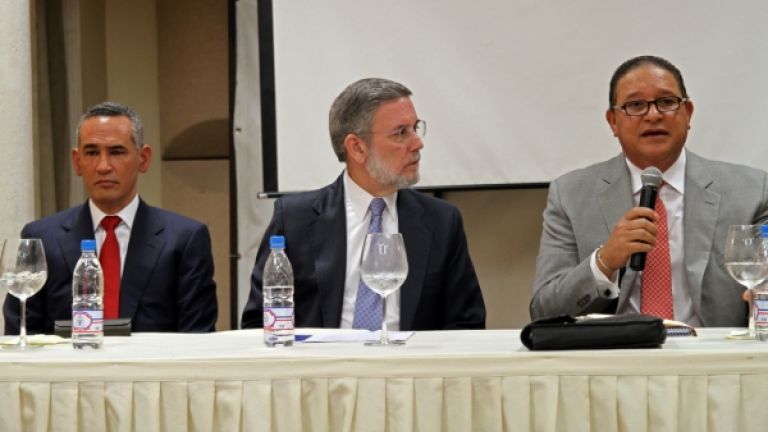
x=404 y=132
x=641 y=107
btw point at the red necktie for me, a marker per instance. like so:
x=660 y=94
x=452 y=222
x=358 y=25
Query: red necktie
x=657 y=276
x=110 y=264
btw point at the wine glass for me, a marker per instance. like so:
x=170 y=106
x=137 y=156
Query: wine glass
x=23 y=271
x=383 y=268
x=746 y=259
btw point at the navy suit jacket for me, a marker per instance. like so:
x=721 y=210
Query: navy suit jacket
x=167 y=283
x=441 y=291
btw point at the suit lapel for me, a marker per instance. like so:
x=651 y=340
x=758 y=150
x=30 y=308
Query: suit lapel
x=417 y=236
x=77 y=228
x=615 y=199
x=700 y=209
x=328 y=234
x=144 y=248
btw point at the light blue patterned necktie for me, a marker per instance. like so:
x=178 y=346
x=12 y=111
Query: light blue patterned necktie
x=368 y=303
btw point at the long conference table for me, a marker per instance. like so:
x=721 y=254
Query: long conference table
x=439 y=381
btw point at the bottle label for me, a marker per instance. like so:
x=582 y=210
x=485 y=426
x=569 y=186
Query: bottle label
x=761 y=314
x=278 y=318
x=87 y=321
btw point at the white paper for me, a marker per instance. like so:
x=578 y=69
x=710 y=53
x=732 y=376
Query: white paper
x=38 y=339
x=357 y=336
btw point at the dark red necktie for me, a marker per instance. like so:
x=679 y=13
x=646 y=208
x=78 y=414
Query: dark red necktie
x=110 y=264
x=657 y=276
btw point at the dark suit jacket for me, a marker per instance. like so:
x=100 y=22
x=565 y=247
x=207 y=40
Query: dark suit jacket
x=584 y=206
x=167 y=283
x=441 y=291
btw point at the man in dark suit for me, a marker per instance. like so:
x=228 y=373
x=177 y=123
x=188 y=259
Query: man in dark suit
x=164 y=277
x=375 y=131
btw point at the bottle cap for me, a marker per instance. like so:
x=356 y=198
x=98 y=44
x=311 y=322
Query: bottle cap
x=88 y=245
x=277 y=242
x=764 y=231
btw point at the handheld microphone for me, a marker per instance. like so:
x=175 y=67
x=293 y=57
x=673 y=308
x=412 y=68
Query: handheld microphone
x=651 y=178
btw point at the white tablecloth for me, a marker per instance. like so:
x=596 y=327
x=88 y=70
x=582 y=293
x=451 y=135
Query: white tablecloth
x=439 y=381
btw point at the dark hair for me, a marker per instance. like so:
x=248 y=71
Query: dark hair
x=352 y=110
x=115 y=109
x=635 y=63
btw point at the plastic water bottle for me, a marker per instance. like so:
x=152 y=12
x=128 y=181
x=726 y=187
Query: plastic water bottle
x=760 y=299
x=278 y=296
x=87 y=293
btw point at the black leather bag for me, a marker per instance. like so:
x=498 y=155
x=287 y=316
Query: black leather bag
x=618 y=331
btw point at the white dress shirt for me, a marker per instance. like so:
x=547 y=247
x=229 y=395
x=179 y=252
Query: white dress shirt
x=356 y=203
x=122 y=231
x=671 y=194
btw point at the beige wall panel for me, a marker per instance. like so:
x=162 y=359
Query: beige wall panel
x=503 y=229
x=131 y=48
x=200 y=190
x=93 y=49
x=194 y=110
x=194 y=95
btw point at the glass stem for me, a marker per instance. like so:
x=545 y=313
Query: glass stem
x=384 y=337
x=23 y=329
x=752 y=313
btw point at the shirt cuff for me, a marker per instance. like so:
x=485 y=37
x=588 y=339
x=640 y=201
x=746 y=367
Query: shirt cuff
x=607 y=288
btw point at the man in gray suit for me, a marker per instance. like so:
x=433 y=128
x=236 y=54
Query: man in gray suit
x=592 y=222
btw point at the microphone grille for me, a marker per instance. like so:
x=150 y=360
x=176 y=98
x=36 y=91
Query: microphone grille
x=651 y=176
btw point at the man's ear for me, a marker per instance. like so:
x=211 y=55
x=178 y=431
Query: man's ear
x=145 y=158
x=610 y=117
x=688 y=109
x=356 y=148
x=75 y=165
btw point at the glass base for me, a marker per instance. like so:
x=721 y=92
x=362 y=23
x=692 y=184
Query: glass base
x=385 y=343
x=739 y=334
x=20 y=348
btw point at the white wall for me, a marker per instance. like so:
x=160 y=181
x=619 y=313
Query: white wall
x=513 y=91
x=17 y=143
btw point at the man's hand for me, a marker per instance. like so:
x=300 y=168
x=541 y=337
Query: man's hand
x=635 y=232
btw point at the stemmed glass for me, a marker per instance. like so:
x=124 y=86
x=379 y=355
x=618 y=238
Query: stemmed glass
x=383 y=268
x=23 y=271
x=746 y=259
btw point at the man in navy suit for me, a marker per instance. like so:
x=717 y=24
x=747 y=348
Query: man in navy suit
x=166 y=267
x=375 y=131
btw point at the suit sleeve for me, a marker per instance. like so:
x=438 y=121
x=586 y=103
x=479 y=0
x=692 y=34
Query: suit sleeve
x=564 y=282
x=464 y=306
x=253 y=315
x=197 y=305
x=761 y=217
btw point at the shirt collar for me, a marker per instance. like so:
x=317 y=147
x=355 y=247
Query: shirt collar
x=127 y=214
x=357 y=199
x=674 y=176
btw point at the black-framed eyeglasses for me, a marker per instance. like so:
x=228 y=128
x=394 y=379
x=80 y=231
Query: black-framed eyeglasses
x=404 y=132
x=641 y=107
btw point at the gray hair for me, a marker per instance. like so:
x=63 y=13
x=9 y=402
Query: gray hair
x=115 y=109
x=352 y=110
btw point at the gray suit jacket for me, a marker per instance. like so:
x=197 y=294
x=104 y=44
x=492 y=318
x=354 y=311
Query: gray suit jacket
x=584 y=205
